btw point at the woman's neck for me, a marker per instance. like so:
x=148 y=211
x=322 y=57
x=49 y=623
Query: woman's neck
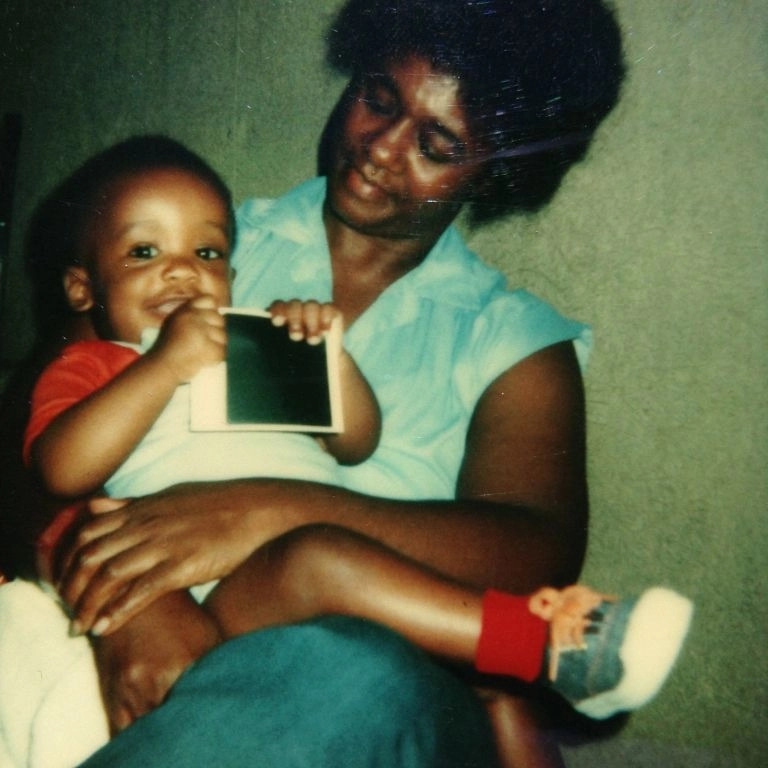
x=364 y=266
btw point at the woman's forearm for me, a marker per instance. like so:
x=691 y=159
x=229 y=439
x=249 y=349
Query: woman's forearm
x=519 y=520
x=198 y=532
x=482 y=543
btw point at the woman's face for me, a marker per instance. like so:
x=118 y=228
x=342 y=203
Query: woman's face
x=405 y=157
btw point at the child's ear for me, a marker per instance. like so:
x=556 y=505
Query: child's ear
x=77 y=286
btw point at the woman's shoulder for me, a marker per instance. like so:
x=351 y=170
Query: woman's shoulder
x=291 y=207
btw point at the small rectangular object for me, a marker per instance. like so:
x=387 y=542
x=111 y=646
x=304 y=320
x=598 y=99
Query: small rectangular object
x=269 y=382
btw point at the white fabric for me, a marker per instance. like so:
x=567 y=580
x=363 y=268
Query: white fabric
x=51 y=715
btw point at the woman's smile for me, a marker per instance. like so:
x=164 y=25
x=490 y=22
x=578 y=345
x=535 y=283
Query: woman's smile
x=364 y=186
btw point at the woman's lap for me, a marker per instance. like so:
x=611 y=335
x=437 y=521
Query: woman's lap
x=335 y=691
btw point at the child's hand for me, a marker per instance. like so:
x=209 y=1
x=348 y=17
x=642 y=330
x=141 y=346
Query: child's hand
x=192 y=337
x=308 y=320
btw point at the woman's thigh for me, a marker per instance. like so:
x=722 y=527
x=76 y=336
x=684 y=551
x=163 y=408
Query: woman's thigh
x=331 y=692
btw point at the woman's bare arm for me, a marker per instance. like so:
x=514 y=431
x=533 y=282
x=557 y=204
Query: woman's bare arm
x=519 y=520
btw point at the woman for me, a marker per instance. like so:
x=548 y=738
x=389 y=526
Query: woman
x=480 y=473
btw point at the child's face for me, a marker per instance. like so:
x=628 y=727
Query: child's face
x=163 y=240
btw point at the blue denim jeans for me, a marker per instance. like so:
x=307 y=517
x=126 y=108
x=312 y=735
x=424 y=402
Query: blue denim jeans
x=331 y=693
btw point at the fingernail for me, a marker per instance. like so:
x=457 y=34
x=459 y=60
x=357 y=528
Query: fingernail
x=295 y=335
x=278 y=320
x=100 y=626
x=314 y=340
x=75 y=628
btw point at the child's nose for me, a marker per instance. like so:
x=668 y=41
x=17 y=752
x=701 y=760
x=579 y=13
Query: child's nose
x=182 y=268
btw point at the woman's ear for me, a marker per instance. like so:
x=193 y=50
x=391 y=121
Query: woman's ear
x=78 y=288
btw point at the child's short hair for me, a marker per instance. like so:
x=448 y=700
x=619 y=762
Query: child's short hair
x=57 y=234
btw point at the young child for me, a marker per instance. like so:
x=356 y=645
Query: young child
x=153 y=254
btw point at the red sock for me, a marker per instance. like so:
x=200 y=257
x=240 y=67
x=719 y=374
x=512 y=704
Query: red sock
x=512 y=640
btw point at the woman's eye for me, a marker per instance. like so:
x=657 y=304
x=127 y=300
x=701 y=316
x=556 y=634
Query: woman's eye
x=143 y=252
x=378 y=99
x=440 y=148
x=210 y=254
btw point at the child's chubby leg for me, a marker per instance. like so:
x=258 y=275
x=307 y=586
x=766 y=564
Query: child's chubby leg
x=318 y=570
x=140 y=662
x=602 y=654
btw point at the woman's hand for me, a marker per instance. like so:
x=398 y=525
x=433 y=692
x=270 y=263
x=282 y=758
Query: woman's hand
x=139 y=664
x=519 y=521
x=132 y=552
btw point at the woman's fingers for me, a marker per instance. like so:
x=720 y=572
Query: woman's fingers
x=103 y=504
x=137 y=595
x=96 y=541
x=91 y=592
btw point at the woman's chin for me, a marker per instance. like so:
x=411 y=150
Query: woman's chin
x=357 y=210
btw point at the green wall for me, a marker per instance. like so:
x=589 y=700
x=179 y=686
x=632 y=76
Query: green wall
x=658 y=239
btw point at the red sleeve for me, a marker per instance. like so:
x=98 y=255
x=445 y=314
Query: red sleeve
x=80 y=369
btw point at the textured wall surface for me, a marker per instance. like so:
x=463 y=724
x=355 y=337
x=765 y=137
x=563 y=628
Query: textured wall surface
x=658 y=239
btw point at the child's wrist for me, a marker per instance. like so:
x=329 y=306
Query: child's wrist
x=159 y=365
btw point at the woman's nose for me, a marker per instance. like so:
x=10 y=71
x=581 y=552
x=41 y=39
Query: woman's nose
x=387 y=147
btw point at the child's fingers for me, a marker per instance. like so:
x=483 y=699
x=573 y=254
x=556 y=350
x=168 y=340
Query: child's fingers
x=328 y=313
x=312 y=319
x=289 y=313
x=193 y=311
x=308 y=320
x=277 y=310
x=204 y=301
x=294 y=318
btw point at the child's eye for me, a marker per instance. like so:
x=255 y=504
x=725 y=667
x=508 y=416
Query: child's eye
x=143 y=252
x=210 y=254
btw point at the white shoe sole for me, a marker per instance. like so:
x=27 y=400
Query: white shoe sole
x=655 y=633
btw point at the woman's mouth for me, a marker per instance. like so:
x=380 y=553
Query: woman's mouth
x=363 y=186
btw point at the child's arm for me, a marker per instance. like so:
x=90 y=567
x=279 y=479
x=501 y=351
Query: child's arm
x=84 y=445
x=362 y=420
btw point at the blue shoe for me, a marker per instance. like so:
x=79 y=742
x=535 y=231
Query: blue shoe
x=630 y=649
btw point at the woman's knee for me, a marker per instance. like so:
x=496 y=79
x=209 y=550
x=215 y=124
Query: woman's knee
x=330 y=692
x=394 y=696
